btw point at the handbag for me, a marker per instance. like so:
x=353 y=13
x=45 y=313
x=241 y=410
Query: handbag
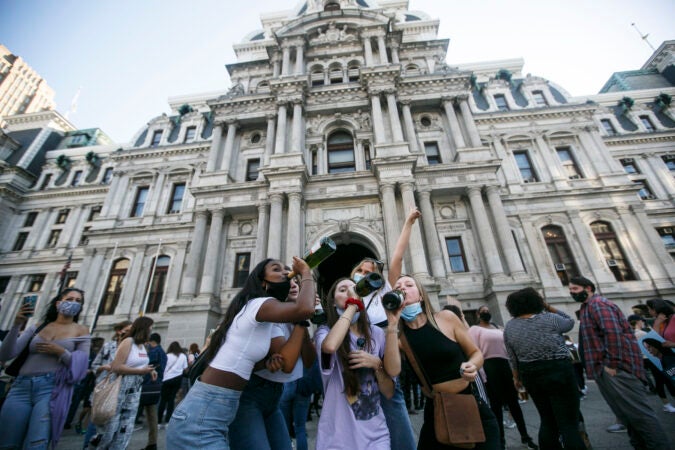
x=457 y=420
x=104 y=403
x=13 y=369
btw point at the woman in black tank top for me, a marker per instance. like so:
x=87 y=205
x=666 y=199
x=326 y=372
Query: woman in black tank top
x=446 y=354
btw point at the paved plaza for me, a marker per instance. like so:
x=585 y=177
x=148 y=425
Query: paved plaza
x=595 y=411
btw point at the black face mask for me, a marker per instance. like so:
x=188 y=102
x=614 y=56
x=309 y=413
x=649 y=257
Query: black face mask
x=485 y=316
x=279 y=290
x=580 y=296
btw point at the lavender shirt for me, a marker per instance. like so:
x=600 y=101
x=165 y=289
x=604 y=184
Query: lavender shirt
x=351 y=427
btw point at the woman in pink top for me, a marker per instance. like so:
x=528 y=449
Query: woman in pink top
x=500 y=388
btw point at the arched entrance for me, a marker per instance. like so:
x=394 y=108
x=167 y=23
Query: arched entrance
x=349 y=253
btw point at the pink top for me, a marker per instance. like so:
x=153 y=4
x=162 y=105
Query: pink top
x=669 y=331
x=490 y=341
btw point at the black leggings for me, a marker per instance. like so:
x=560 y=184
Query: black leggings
x=501 y=391
x=661 y=381
x=168 y=399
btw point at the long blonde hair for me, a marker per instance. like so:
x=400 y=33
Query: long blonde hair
x=427 y=307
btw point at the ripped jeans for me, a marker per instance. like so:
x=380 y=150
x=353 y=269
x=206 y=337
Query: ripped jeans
x=25 y=413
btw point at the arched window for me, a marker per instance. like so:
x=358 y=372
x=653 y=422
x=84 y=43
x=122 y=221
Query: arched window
x=353 y=72
x=332 y=6
x=336 y=75
x=412 y=69
x=156 y=284
x=317 y=76
x=340 y=152
x=112 y=293
x=563 y=261
x=263 y=86
x=612 y=251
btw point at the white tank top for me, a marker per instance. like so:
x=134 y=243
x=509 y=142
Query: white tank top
x=247 y=341
x=138 y=356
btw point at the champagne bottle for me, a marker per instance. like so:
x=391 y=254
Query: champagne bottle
x=392 y=300
x=371 y=282
x=319 y=252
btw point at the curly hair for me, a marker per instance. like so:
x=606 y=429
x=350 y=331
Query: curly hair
x=524 y=301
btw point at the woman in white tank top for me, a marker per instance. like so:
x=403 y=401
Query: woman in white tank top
x=131 y=363
x=242 y=339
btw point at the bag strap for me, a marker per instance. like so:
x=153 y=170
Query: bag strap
x=419 y=371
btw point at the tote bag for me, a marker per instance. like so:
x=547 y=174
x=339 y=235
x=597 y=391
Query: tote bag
x=104 y=404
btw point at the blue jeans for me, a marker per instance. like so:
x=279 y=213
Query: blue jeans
x=25 y=413
x=91 y=432
x=295 y=406
x=398 y=421
x=202 y=419
x=553 y=388
x=259 y=423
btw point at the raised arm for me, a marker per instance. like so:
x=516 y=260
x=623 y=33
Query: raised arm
x=13 y=344
x=336 y=335
x=396 y=263
x=289 y=312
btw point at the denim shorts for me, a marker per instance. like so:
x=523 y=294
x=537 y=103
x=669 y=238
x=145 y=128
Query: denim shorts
x=202 y=419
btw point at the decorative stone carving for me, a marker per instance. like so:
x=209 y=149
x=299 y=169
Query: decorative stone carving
x=332 y=34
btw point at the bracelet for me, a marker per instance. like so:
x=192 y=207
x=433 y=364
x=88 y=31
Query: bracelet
x=343 y=317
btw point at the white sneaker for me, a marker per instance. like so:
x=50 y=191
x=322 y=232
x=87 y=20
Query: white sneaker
x=616 y=428
x=669 y=408
x=510 y=424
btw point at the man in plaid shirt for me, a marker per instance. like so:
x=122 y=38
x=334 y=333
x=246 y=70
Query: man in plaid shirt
x=613 y=359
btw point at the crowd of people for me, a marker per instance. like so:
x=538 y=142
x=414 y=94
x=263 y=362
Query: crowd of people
x=373 y=364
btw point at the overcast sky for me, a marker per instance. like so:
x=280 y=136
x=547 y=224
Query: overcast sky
x=130 y=56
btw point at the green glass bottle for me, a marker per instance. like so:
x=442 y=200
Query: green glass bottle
x=371 y=282
x=318 y=253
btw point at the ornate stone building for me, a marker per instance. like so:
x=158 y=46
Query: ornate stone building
x=22 y=90
x=343 y=115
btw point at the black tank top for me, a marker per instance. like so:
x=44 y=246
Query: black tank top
x=435 y=352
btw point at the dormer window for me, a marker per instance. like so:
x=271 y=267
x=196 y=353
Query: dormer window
x=539 y=98
x=156 y=138
x=190 y=134
x=332 y=6
x=500 y=100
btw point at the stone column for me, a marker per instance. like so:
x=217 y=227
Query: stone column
x=293 y=244
x=470 y=124
x=419 y=260
x=189 y=287
x=368 y=50
x=299 y=59
x=280 y=143
x=509 y=247
x=269 y=139
x=487 y=240
x=397 y=133
x=554 y=165
x=276 y=66
x=261 y=236
x=112 y=192
x=656 y=259
x=455 y=130
x=155 y=194
x=389 y=216
x=663 y=175
x=382 y=49
x=409 y=127
x=229 y=145
x=429 y=224
x=286 y=61
x=394 y=53
x=213 y=254
x=276 y=221
x=296 y=127
x=378 y=123
x=216 y=138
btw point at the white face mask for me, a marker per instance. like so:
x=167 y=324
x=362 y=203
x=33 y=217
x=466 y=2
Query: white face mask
x=568 y=342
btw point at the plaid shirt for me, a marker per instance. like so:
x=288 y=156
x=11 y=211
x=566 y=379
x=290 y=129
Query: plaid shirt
x=607 y=339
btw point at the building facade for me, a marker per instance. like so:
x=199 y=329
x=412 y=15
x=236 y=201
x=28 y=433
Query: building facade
x=22 y=90
x=343 y=115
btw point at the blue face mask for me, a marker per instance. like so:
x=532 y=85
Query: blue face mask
x=69 y=309
x=341 y=311
x=408 y=313
x=357 y=277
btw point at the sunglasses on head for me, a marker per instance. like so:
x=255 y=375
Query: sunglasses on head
x=377 y=262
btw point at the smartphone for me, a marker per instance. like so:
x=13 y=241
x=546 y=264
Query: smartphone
x=30 y=300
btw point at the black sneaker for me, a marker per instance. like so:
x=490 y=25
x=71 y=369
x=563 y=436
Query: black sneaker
x=529 y=443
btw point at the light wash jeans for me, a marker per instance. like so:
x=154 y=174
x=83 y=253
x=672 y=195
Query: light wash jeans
x=202 y=419
x=400 y=429
x=259 y=423
x=294 y=406
x=25 y=413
